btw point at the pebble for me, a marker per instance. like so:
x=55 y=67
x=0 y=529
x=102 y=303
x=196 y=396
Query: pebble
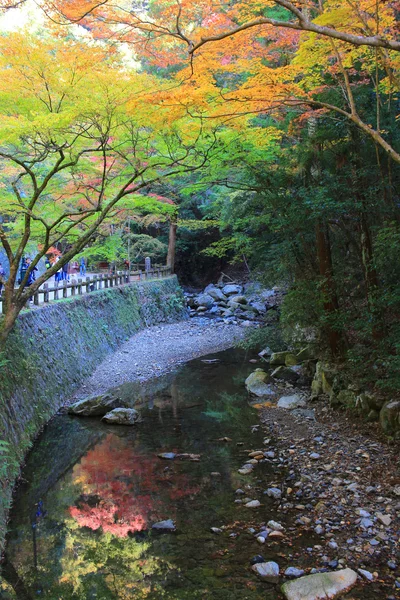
x=366 y=574
x=253 y=504
x=257 y=559
x=167 y=525
x=315 y=456
x=216 y=530
x=274 y=493
x=167 y=455
x=384 y=519
x=293 y=572
x=275 y=526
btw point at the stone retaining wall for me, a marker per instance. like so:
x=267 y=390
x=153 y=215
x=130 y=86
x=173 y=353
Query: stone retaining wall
x=52 y=349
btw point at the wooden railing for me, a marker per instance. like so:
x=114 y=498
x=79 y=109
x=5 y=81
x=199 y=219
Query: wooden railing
x=79 y=286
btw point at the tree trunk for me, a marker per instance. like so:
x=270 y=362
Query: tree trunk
x=331 y=305
x=172 y=244
x=371 y=278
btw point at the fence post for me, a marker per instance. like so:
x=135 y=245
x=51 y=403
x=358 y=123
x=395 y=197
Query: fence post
x=100 y=281
x=87 y=284
x=56 y=290
x=79 y=286
x=73 y=288
x=45 y=292
x=106 y=281
x=140 y=275
x=36 y=298
x=65 y=289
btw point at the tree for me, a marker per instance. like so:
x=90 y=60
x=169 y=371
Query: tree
x=167 y=33
x=78 y=135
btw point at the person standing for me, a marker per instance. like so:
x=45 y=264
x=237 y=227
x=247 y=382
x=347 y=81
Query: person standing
x=2 y=275
x=31 y=276
x=82 y=267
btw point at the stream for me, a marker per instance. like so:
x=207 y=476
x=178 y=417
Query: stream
x=81 y=524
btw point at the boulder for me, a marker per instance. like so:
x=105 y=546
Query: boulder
x=260 y=307
x=323 y=380
x=257 y=383
x=122 y=416
x=238 y=299
x=267 y=571
x=389 y=417
x=367 y=401
x=345 y=398
x=306 y=353
x=279 y=358
x=95 y=406
x=204 y=300
x=291 y=402
x=321 y=586
x=215 y=293
x=266 y=353
x=235 y=305
x=167 y=525
x=232 y=289
x=291 y=360
x=286 y=374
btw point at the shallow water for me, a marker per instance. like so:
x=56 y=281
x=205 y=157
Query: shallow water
x=81 y=522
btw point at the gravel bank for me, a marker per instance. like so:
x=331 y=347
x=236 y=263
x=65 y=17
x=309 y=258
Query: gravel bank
x=158 y=350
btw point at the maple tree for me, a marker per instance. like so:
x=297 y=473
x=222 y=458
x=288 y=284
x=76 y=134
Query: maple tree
x=78 y=136
x=347 y=32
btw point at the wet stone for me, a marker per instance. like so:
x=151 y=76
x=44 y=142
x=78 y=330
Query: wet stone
x=267 y=571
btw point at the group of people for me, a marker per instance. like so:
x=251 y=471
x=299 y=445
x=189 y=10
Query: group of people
x=61 y=275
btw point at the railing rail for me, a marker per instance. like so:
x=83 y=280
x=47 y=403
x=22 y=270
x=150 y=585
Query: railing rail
x=79 y=286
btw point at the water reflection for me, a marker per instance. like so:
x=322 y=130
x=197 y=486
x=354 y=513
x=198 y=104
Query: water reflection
x=81 y=523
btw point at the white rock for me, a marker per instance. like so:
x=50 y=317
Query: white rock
x=321 y=586
x=384 y=519
x=366 y=574
x=268 y=571
x=291 y=402
x=275 y=526
x=253 y=504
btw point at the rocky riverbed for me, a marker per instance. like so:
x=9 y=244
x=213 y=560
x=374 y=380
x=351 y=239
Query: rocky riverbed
x=160 y=349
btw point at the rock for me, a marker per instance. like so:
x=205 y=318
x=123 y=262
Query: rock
x=291 y=359
x=293 y=572
x=366 y=574
x=204 y=300
x=253 y=504
x=279 y=358
x=95 y=406
x=285 y=373
x=261 y=539
x=315 y=456
x=291 y=402
x=238 y=299
x=216 y=530
x=275 y=526
x=268 y=571
x=167 y=525
x=389 y=417
x=167 y=455
x=323 y=380
x=384 y=519
x=246 y=469
x=121 y=416
x=215 y=293
x=265 y=353
x=257 y=559
x=256 y=384
x=230 y=289
x=346 y=398
x=305 y=354
x=259 y=307
x=274 y=493
x=321 y=586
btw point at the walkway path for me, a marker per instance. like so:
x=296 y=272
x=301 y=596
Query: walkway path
x=158 y=350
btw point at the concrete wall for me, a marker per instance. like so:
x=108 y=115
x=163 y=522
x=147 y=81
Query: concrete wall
x=52 y=349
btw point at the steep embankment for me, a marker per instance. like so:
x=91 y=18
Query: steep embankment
x=52 y=350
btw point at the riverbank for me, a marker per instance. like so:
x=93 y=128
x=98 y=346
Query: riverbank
x=158 y=350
